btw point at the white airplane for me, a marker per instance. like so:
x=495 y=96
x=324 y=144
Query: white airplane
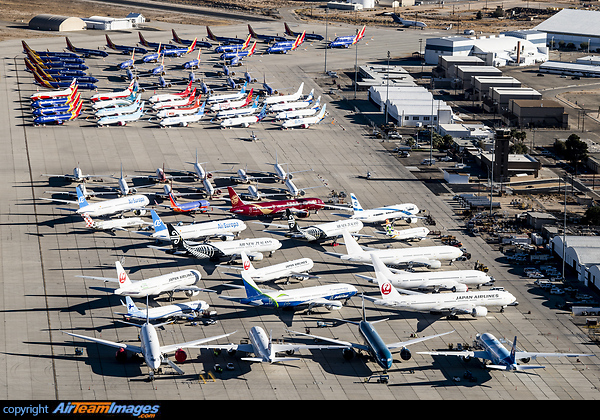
x=290 y=106
x=472 y=303
x=293 y=191
x=113 y=95
x=284 y=98
x=237 y=112
x=135 y=203
x=407 y=211
x=205 y=176
x=243 y=177
x=305 y=122
x=54 y=94
x=300 y=113
x=212 y=98
x=119 y=109
x=418 y=233
x=244 y=120
x=226 y=229
x=263 y=348
x=193 y=309
x=114 y=224
x=171 y=96
x=122 y=119
x=430 y=256
x=320 y=232
x=175 y=102
x=499 y=356
x=408 y=23
x=297 y=269
x=183 y=120
x=114 y=102
x=154 y=354
x=76 y=176
x=329 y=295
x=180 y=110
x=229 y=104
x=178 y=281
x=457 y=281
x=254 y=247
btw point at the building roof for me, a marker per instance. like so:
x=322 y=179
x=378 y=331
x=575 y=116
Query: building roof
x=573 y=22
x=537 y=103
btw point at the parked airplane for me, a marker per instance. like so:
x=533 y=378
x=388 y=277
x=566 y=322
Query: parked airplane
x=128 y=63
x=187 y=310
x=254 y=247
x=119 y=109
x=300 y=113
x=223 y=105
x=125 y=49
x=53 y=84
x=408 y=23
x=347 y=41
x=237 y=112
x=310 y=36
x=183 y=120
x=244 y=120
x=199 y=44
x=171 y=96
x=135 y=203
x=225 y=230
x=373 y=344
x=268 y=90
x=190 y=207
x=116 y=101
x=59 y=118
x=243 y=177
x=115 y=95
x=114 y=224
x=285 y=98
x=233 y=47
x=213 y=98
x=499 y=357
x=456 y=281
x=178 y=52
x=178 y=281
x=175 y=102
x=67 y=107
x=76 y=176
x=430 y=256
x=193 y=64
x=472 y=303
x=57 y=101
x=238 y=54
x=55 y=71
x=289 y=106
x=417 y=233
x=330 y=296
x=281 y=174
x=407 y=211
x=223 y=39
x=305 y=122
x=27 y=48
x=122 y=119
x=85 y=52
x=56 y=94
x=154 y=354
x=286 y=46
x=267 y=38
x=264 y=349
x=300 y=207
x=177 y=111
x=297 y=269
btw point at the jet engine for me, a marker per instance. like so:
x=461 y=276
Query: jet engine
x=479 y=311
x=121 y=355
x=405 y=354
x=434 y=264
x=139 y=212
x=180 y=355
x=302 y=214
x=226 y=237
x=525 y=360
x=290 y=352
x=302 y=193
x=190 y=293
x=466 y=359
x=256 y=256
x=348 y=354
x=183 y=124
x=334 y=305
x=460 y=288
x=413 y=220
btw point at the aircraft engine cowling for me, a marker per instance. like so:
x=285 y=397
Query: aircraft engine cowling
x=525 y=359
x=290 y=176
x=140 y=212
x=226 y=238
x=218 y=192
x=466 y=359
x=413 y=220
x=231 y=352
x=479 y=311
x=302 y=214
x=434 y=264
x=184 y=124
x=334 y=306
x=180 y=355
x=256 y=256
x=290 y=352
x=405 y=354
x=302 y=193
x=348 y=354
x=190 y=293
x=121 y=355
x=460 y=288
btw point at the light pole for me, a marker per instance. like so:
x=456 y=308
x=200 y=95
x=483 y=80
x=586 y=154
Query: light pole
x=387 y=89
x=356 y=65
x=326 y=39
x=421 y=55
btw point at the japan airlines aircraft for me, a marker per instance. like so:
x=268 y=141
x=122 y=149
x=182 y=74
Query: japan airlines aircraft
x=135 y=203
x=408 y=23
x=300 y=207
x=263 y=348
x=178 y=281
x=171 y=96
x=76 y=176
x=406 y=211
x=456 y=281
x=86 y=52
x=267 y=38
x=244 y=120
x=125 y=49
x=114 y=224
x=113 y=95
x=417 y=233
x=499 y=356
x=472 y=303
x=285 y=98
x=430 y=256
x=188 y=310
x=330 y=296
x=286 y=46
x=305 y=122
x=225 y=230
x=183 y=120
x=373 y=343
x=213 y=98
x=311 y=36
x=122 y=119
x=223 y=39
x=297 y=269
x=254 y=247
x=347 y=41
x=154 y=354
x=200 y=44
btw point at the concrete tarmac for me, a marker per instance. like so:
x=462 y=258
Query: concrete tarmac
x=44 y=247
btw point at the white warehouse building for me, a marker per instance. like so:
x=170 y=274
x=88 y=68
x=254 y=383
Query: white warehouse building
x=572 y=25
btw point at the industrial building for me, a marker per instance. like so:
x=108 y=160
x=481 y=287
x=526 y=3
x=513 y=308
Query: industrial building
x=481 y=86
x=499 y=97
x=448 y=63
x=573 y=26
x=582 y=255
x=570 y=69
x=536 y=113
x=466 y=73
x=108 y=23
x=380 y=75
x=46 y=22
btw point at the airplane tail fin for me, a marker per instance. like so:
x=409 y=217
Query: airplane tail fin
x=246 y=263
x=175 y=37
x=300 y=89
x=252 y=49
x=291 y=221
x=109 y=42
x=355 y=204
x=81 y=197
x=246 y=43
x=157 y=222
x=175 y=237
x=211 y=36
x=252 y=31
x=124 y=280
x=513 y=352
x=321 y=113
x=252 y=289
x=385 y=286
x=143 y=40
x=132 y=308
x=192 y=47
x=70 y=46
x=263 y=113
x=235 y=199
x=88 y=221
x=249 y=97
x=288 y=31
x=352 y=247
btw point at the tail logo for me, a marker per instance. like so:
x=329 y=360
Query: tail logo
x=122 y=278
x=174 y=237
x=246 y=265
x=235 y=200
x=386 y=289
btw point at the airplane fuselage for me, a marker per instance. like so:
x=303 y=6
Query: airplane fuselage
x=408 y=255
x=282 y=270
x=398 y=211
x=169 y=311
x=160 y=284
x=302 y=296
x=377 y=348
x=150 y=346
x=440 y=302
x=418 y=280
x=204 y=229
x=116 y=205
x=276 y=207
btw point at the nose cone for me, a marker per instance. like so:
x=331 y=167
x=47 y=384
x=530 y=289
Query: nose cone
x=277 y=244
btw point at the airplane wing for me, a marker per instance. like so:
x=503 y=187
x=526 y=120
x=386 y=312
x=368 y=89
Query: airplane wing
x=533 y=355
x=111 y=279
x=58 y=201
x=402 y=344
x=480 y=354
x=135 y=349
x=277 y=348
x=340 y=343
x=192 y=288
x=192 y=344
